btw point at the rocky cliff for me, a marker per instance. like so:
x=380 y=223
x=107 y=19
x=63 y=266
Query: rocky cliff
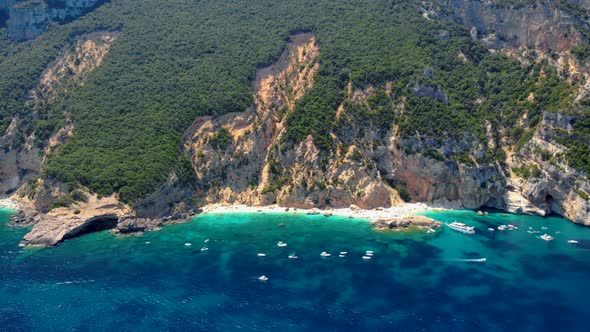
x=500 y=25
x=23 y=151
x=30 y=18
x=246 y=158
x=241 y=158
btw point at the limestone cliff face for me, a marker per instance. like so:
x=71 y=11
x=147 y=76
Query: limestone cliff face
x=23 y=153
x=541 y=25
x=557 y=189
x=28 y=19
x=256 y=168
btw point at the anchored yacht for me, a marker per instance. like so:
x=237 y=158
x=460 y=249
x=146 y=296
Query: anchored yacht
x=461 y=227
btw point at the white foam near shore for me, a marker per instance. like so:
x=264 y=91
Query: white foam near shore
x=397 y=211
x=8 y=203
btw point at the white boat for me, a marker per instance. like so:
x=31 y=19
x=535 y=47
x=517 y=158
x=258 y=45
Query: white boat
x=292 y=257
x=572 y=241
x=370 y=252
x=490 y=229
x=461 y=227
x=343 y=252
x=188 y=244
x=281 y=244
x=543 y=227
x=501 y=228
x=325 y=254
x=204 y=249
x=206 y=240
x=546 y=237
x=341 y=256
x=147 y=242
x=430 y=230
x=261 y=254
x=367 y=258
x=263 y=278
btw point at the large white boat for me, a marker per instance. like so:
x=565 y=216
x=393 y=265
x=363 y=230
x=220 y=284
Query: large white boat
x=461 y=227
x=546 y=237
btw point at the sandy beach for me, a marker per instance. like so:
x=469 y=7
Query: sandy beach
x=9 y=203
x=351 y=212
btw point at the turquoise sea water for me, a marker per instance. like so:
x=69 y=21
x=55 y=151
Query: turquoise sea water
x=414 y=282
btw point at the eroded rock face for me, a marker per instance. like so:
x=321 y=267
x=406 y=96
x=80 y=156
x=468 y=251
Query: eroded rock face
x=27 y=20
x=18 y=162
x=257 y=168
x=539 y=25
x=452 y=184
x=21 y=161
x=63 y=223
x=449 y=183
x=556 y=188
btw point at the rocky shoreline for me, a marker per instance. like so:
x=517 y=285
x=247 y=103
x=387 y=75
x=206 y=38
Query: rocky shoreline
x=395 y=224
x=50 y=229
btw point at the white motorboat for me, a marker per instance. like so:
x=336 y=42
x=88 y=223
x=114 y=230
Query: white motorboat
x=502 y=228
x=188 y=244
x=281 y=244
x=204 y=249
x=367 y=258
x=325 y=254
x=341 y=256
x=292 y=257
x=490 y=229
x=461 y=227
x=430 y=231
x=546 y=237
x=572 y=241
x=260 y=254
x=263 y=278
x=343 y=252
x=206 y=240
x=369 y=252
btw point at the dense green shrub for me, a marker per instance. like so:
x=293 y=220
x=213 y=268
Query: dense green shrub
x=221 y=139
x=176 y=60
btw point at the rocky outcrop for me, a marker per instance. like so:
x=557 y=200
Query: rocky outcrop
x=449 y=183
x=557 y=188
x=404 y=222
x=28 y=19
x=66 y=222
x=255 y=167
x=19 y=161
x=535 y=25
x=22 y=154
x=135 y=225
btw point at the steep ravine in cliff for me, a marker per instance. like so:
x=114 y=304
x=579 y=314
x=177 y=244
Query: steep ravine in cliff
x=24 y=152
x=254 y=166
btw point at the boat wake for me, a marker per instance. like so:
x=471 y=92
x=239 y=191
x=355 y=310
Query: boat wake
x=476 y=260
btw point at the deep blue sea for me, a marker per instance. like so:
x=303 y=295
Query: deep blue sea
x=415 y=282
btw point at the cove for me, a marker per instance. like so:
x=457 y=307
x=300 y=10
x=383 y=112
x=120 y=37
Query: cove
x=415 y=281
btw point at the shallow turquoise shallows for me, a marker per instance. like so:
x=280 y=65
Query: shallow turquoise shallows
x=414 y=282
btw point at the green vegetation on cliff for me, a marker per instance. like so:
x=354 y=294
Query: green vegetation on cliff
x=177 y=60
